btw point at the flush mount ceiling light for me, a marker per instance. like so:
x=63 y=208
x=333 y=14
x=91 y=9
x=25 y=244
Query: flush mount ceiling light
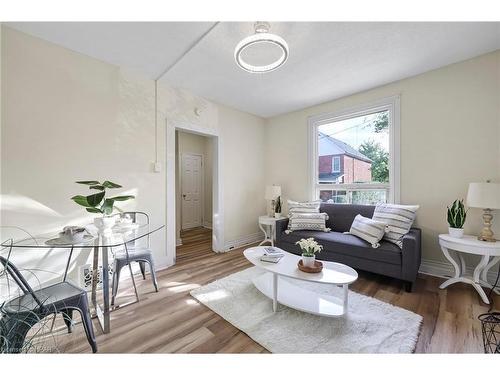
x=262 y=52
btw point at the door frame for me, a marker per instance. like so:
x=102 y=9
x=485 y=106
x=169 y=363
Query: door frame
x=217 y=185
x=202 y=195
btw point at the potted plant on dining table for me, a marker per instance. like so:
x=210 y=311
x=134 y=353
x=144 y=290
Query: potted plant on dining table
x=98 y=203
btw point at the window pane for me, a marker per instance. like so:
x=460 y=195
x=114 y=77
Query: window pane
x=371 y=197
x=355 y=150
x=333 y=196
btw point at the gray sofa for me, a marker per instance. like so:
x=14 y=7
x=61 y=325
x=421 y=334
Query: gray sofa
x=388 y=259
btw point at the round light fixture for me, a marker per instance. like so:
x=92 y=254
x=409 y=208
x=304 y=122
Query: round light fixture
x=259 y=47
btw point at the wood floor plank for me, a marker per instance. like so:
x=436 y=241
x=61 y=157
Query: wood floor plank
x=172 y=321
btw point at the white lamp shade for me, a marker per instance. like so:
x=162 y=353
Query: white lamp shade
x=272 y=192
x=484 y=195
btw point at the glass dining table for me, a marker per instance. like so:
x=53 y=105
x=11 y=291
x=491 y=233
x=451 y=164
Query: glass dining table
x=100 y=244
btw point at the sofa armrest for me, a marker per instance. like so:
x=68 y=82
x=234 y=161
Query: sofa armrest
x=412 y=253
x=281 y=227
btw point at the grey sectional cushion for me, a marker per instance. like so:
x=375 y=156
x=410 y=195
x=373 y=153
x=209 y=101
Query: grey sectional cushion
x=349 y=245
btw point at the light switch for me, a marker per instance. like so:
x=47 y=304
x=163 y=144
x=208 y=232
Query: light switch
x=157 y=167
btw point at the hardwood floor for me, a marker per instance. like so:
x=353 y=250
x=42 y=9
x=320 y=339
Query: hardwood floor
x=171 y=321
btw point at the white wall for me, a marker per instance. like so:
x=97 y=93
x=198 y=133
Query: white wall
x=450 y=131
x=1 y=117
x=244 y=180
x=66 y=117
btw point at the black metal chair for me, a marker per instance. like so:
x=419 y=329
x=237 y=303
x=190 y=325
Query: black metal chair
x=20 y=314
x=133 y=252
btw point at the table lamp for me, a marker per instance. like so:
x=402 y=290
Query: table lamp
x=272 y=192
x=485 y=195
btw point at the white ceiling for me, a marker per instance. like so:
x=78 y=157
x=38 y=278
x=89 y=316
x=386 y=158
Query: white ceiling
x=327 y=60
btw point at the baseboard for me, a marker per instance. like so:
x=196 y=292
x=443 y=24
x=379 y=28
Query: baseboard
x=242 y=241
x=178 y=242
x=207 y=224
x=446 y=270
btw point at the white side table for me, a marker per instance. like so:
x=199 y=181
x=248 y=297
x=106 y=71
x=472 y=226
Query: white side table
x=453 y=248
x=267 y=224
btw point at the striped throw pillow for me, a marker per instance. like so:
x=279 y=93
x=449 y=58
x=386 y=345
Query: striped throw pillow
x=303 y=207
x=399 y=219
x=368 y=229
x=314 y=221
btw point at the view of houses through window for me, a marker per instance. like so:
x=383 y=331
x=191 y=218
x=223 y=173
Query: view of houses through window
x=353 y=159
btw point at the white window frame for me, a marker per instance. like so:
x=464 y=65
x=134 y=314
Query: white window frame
x=333 y=164
x=390 y=104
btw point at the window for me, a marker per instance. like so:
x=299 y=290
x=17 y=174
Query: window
x=335 y=164
x=354 y=154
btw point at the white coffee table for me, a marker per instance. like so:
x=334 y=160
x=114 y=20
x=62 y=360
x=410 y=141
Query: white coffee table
x=275 y=284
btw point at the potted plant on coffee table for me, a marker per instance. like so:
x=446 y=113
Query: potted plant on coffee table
x=98 y=203
x=309 y=248
x=456 y=218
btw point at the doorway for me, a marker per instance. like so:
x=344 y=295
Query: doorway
x=194 y=193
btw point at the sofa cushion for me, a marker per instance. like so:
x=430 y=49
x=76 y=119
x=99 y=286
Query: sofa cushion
x=302 y=207
x=348 y=244
x=341 y=216
x=399 y=219
x=316 y=222
x=367 y=229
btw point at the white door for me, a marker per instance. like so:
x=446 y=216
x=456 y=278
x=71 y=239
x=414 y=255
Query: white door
x=191 y=181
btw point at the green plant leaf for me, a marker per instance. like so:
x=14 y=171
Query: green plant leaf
x=107 y=206
x=97 y=187
x=81 y=200
x=88 y=182
x=90 y=200
x=456 y=214
x=94 y=210
x=94 y=199
x=110 y=185
x=122 y=198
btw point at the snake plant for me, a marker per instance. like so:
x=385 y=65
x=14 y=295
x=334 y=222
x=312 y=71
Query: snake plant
x=457 y=214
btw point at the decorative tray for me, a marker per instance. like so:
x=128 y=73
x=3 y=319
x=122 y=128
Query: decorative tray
x=318 y=266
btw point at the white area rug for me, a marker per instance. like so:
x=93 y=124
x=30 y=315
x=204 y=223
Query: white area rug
x=371 y=326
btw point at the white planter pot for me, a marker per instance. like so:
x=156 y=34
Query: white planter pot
x=308 y=261
x=105 y=223
x=456 y=232
x=277 y=215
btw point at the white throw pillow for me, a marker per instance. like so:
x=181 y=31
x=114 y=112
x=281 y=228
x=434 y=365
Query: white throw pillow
x=303 y=207
x=399 y=219
x=314 y=221
x=368 y=229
